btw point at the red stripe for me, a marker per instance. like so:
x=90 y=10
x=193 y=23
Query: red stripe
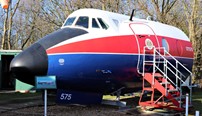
x=123 y=44
x=115 y=44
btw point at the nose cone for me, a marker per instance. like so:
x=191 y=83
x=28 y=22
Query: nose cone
x=30 y=63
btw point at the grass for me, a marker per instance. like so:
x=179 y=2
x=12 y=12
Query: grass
x=17 y=95
x=197 y=100
x=109 y=97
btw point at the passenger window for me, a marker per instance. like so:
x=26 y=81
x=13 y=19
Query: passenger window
x=69 y=21
x=82 y=21
x=103 y=24
x=94 y=23
x=165 y=44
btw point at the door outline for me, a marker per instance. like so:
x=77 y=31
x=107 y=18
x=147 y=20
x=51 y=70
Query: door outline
x=138 y=43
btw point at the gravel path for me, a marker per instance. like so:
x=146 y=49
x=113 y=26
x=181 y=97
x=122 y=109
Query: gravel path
x=71 y=110
x=33 y=106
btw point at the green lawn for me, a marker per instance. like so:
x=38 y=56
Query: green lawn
x=17 y=95
x=197 y=100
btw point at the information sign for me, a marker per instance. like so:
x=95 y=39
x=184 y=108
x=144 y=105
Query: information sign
x=46 y=82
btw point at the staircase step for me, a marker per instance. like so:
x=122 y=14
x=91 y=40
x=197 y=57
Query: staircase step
x=160 y=62
x=149 y=61
x=158 y=75
x=164 y=83
x=149 y=64
x=152 y=62
x=148 y=89
x=176 y=98
x=190 y=106
x=183 y=97
x=173 y=90
x=175 y=95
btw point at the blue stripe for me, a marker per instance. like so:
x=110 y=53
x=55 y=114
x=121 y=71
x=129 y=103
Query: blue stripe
x=95 y=72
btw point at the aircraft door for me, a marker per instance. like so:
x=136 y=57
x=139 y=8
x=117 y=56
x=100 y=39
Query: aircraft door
x=145 y=36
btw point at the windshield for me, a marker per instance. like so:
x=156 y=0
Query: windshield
x=94 y=23
x=82 y=21
x=103 y=24
x=69 y=21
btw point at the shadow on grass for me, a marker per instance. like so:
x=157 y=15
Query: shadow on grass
x=196 y=102
x=8 y=98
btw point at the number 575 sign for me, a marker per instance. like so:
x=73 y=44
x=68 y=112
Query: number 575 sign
x=77 y=97
x=65 y=96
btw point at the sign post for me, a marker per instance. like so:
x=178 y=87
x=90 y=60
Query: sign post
x=187 y=105
x=45 y=82
x=45 y=102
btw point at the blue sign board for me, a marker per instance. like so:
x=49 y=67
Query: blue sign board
x=46 y=82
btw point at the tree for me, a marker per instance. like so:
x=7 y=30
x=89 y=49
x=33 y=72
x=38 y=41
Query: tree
x=36 y=18
x=193 y=13
x=158 y=9
x=8 y=22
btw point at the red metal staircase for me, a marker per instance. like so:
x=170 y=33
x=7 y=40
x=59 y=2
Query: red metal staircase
x=165 y=91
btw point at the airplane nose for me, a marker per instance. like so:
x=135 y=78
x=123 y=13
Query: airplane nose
x=30 y=63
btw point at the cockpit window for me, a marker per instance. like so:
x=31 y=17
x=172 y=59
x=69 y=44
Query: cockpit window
x=82 y=21
x=69 y=21
x=94 y=23
x=103 y=24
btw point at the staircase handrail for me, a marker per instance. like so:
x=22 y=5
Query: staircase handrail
x=164 y=57
x=165 y=75
x=175 y=60
x=174 y=66
x=170 y=79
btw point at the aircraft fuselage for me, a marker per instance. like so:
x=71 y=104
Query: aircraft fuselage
x=99 y=60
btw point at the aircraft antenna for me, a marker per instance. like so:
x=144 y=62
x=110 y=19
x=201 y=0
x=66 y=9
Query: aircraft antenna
x=131 y=16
